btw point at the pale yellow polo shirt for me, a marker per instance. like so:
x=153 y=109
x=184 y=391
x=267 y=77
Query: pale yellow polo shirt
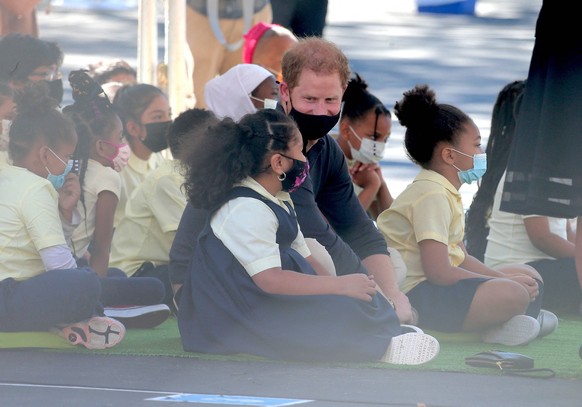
x=151 y=219
x=98 y=178
x=133 y=175
x=429 y=208
x=29 y=222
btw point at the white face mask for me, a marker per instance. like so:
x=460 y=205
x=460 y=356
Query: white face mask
x=267 y=103
x=370 y=152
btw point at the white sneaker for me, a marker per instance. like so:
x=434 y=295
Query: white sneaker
x=519 y=330
x=548 y=323
x=411 y=349
x=140 y=317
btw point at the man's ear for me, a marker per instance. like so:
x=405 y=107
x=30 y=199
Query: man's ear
x=284 y=94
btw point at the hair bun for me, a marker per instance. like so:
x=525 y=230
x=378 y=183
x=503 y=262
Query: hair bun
x=85 y=89
x=417 y=107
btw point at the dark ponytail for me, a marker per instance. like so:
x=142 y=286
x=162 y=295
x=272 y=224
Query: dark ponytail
x=503 y=121
x=358 y=101
x=427 y=123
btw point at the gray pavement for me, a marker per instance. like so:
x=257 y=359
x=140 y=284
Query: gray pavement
x=467 y=59
x=33 y=379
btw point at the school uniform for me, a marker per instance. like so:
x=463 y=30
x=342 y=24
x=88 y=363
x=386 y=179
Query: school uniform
x=508 y=242
x=151 y=219
x=223 y=311
x=32 y=299
x=431 y=208
x=142 y=241
x=117 y=289
x=133 y=175
x=98 y=178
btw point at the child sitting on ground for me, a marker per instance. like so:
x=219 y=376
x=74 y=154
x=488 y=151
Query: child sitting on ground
x=145 y=115
x=252 y=285
x=102 y=154
x=41 y=288
x=503 y=238
x=451 y=290
x=142 y=241
x=364 y=128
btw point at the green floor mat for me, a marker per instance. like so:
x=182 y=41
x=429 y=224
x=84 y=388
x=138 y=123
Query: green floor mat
x=558 y=351
x=12 y=340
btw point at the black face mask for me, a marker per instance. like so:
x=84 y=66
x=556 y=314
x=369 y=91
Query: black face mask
x=156 y=136
x=55 y=89
x=295 y=176
x=313 y=127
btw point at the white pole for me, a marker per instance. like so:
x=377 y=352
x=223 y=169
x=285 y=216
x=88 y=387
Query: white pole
x=147 y=42
x=175 y=54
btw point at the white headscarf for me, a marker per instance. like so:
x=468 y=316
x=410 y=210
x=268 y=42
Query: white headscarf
x=228 y=95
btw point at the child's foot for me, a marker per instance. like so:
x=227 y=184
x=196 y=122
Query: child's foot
x=519 y=330
x=548 y=323
x=411 y=349
x=94 y=333
x=140 y=317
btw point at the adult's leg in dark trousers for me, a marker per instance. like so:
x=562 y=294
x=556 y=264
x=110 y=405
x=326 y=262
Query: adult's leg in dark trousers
x=309 y=18
x=118 y=289
x=283 y=12
x=53 y=298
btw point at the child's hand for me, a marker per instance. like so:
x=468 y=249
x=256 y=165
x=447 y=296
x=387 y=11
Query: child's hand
x=361 y=167
x=530 y=284
x=367 y=178
x=69 y=195
x=359 y=286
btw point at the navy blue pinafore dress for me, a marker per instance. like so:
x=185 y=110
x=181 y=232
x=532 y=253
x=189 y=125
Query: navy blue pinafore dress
x=222 y=311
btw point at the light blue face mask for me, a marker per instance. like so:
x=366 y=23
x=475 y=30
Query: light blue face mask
x=475 y=173
x=59 y=180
